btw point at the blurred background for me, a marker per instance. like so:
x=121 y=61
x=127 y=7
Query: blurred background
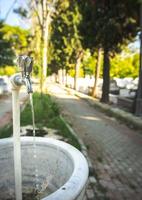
x=92 y=46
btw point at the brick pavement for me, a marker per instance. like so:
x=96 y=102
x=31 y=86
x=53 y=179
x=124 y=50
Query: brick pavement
x=115 y=150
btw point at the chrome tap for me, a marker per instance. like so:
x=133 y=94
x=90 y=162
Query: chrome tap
x=17 y=80
x=26 y=64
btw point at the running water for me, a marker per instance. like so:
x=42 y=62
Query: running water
x=40 y=189
x=36 y=186
x=33 y=114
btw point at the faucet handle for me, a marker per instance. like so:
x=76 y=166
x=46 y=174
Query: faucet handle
x=26 y=64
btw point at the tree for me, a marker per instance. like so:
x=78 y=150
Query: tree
x=18 y=38
x=88 y=38
x=97 y=72
x=6 y=51
x=41 y=13
x=119 y=26
x=124 y=65
x=138 y=100
x=110 y=24
x=65 y=38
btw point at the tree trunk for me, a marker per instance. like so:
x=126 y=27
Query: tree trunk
x=56 y=78
x=97 y=73
x=76 y=76
x=44 y=57
x=106 y=77
x=138 y=100
x=41 y=63
x=45 y=45
x=63 y=76
x=66 y=74
x=76 y=72
x=77 y=66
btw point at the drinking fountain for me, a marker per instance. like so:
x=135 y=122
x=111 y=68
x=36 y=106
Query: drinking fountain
x=57 y=169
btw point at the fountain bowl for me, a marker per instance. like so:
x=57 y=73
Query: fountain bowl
x=58 y=169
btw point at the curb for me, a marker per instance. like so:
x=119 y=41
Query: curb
x=90 y=195
x=127 y=118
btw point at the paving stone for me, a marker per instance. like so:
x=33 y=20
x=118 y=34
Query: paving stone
x=90 y=194
x=85 y=197
x=92 y=180
x=115 y=150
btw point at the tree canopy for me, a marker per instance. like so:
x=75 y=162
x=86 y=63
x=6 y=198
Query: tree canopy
x=108 y=24
x=65 y=37
x=13 y=42
x=6 y=51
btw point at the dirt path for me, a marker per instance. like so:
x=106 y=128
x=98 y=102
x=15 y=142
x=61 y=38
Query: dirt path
x=115 y=150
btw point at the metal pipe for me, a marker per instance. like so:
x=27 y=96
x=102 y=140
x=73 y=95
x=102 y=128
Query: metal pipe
x=17 y=81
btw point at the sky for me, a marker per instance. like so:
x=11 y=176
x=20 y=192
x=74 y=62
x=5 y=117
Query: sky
x=13 y=18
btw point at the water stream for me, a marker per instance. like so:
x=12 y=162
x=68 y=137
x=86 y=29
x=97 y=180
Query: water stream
x=40 y=189
x=36 y=186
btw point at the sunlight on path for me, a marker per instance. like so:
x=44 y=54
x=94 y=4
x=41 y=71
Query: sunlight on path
x=115 y=150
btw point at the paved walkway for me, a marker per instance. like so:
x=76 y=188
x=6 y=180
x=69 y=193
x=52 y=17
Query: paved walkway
x=114 y=149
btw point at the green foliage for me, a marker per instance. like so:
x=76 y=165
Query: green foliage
x=122 y=65
x=44 y=108
x=8 y=70
x=89 y=63
x=65 y=37
x=14 y=41
x=87 y=24
x=47 y=114
x=125 y=66
x=108 y=23
x=36 y=70
x=21 y=11
x=6 y=51
x=18 y=38
x=117 y=21
x=6 y=131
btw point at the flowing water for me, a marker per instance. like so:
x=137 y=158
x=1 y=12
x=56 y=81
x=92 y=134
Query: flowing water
x=40 y=189
x=34 y=146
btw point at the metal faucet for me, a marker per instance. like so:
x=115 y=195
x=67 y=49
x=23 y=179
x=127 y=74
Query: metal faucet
x=26 y=64
x=17 y=80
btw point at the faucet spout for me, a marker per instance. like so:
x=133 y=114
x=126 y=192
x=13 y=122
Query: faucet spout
x=28 y=83
x=25 y=64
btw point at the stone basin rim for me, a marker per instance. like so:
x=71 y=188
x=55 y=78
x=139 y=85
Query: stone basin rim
x=77 y=181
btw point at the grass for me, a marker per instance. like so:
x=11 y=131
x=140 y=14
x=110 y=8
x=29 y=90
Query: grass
x=6 y=131
x=45 y=111
x=47 y=114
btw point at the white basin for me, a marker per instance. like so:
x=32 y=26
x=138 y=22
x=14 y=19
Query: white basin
x=58 y=164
